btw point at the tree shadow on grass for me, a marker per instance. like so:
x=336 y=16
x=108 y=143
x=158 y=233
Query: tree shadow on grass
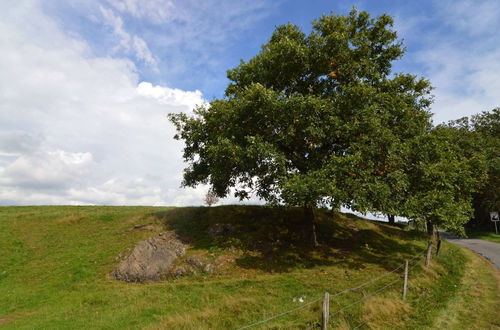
x=276 y=239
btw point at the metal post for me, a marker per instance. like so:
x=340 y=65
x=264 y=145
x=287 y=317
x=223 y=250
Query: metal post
x=405 y=285
x=496 y=228
x=326 y=311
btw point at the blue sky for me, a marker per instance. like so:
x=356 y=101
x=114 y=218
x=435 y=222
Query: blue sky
x=194 y=42
x=86 y=84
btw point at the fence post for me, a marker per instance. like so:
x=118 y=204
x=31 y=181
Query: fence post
x=326 y=311
x=428 y=256
x=405 y=285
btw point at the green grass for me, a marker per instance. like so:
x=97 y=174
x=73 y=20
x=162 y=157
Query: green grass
x=55 y=261
x=479 y=292
x=429 y=295
x=486 y=235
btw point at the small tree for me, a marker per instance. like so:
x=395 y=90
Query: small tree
x=444 y=170
x=311 y=120
x=211 y=198
x=483 y=132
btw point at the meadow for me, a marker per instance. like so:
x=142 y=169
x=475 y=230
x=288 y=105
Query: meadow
x=55 y=263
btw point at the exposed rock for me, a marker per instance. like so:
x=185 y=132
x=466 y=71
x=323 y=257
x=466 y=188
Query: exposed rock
x=195 y=261
x=220 y=229
x=150 y=260
x=181 y=271
x=209 y=269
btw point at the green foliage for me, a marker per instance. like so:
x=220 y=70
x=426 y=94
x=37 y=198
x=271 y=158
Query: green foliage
x=444 y=169
x=487 y=126
x=479 y=137
x=315 y=119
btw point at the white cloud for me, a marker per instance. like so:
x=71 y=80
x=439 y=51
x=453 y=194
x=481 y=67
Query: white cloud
x=197 y=39
x=118 y=192
x=128 y=42
x=55 y=169
x=189 y=42
x=466 y=81
x=15 y=143
x=81 y=129
x=201 y=24
x=156 y=11
x=472 y=17
x=169 y=96
x=460 y=54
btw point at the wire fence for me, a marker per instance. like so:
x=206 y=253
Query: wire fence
x=353 y=289
x=281 y=314
x=365 y=297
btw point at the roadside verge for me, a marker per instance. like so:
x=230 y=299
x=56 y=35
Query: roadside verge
x=475 y=304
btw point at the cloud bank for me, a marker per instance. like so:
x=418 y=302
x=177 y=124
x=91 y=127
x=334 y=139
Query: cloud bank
x=82 y=129
x=458 y=50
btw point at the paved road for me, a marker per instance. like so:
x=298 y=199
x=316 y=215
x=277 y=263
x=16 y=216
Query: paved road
x=487 y=249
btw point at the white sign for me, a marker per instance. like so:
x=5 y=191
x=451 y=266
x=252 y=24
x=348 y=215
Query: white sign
x=494 y=216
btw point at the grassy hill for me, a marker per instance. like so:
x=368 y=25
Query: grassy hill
x=55 y=262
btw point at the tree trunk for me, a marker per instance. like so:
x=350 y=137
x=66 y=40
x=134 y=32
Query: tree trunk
x=312 y=226
x=391 y=219
x=430 y=233
x=430 y=229
x=438 y=247
x=428 y=254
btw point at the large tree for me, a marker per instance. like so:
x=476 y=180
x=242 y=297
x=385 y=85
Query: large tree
x=312 y=119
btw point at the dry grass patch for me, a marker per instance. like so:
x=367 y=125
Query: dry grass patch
x=343 y=325
x=13 y=317
x=384 y=312
x=73 y=218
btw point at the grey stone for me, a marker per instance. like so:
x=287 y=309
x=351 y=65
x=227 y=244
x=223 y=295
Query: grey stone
x=150 y=260
x=209 y=268
x=195 y=261
x=181 y=271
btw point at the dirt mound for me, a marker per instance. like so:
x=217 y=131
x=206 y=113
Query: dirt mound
x=150 y=260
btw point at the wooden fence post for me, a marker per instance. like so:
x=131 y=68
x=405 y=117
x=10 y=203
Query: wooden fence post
x=326 y=311
x=428 y=256
x=405 y=285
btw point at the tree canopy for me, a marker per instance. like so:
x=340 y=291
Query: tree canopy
x=444 y=168
x=317 y=119
x=479 y=136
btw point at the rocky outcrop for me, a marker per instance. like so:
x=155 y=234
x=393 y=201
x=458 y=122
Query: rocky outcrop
x=151 y=260
x=193 y=265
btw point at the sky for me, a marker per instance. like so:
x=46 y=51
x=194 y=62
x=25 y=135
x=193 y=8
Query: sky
x=85 y=85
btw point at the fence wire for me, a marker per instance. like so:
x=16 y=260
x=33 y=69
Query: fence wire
x=281 y=314
x=340 y=293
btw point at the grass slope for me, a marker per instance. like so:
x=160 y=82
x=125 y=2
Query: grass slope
x=55 y=260
x=479 y=291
